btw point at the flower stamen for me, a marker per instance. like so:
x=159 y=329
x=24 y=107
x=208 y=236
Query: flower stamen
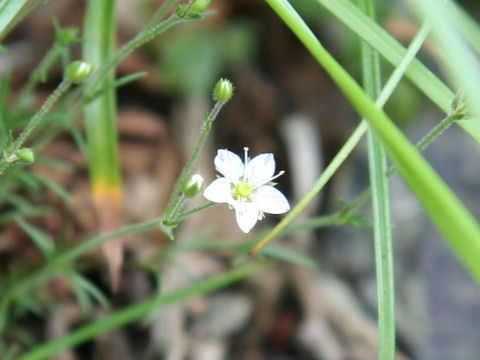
x=242 y=191
x=245 y=149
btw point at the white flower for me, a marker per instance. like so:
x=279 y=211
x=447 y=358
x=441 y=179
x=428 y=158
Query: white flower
x=245 y=187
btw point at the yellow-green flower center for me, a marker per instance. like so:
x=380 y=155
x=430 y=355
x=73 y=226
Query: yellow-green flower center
x=242 y=190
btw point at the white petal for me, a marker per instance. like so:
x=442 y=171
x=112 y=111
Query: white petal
x=270 y=200
x=229 y=165
x=219 y=191
x=246 y=214
x=260 y=169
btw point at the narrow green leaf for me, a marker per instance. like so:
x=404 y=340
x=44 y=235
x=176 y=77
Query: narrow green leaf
x=288 y=255
x=116 y=84
x=81 y=295
x=89 y=287
x=56 y=188
x=44 y=242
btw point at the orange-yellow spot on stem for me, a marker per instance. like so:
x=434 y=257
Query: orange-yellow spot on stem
x=107 y=200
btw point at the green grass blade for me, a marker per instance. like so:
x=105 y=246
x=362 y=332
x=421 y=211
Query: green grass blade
x=390 y=49
x=101 y=126
x=380 y=203
x=139 y=310
x=100 y=115
x=450 y=216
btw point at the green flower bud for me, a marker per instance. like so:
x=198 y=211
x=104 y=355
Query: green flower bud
x=26 y=155
x=223 y=90
x=199 y=6
x=66 y=36
x=78 y=71
x=193 y=186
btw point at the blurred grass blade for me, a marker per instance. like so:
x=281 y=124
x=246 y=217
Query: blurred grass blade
x=467 y=25
x=451 y=217
x=139 y=310
x=116 y=84
x=393 y=51
x=461 y=63
x=287 y=255
x=11 y=11
x=53 y=186
x=90 y=288
x=43 y=240
x=100 y=117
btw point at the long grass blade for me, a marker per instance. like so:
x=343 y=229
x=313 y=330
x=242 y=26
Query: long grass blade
x=100 y=116
x=380 y=204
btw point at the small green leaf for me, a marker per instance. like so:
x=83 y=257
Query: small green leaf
x=56 y=188
x=80 y=281
x=43 y=241
x=115 y=84
x=288 y=255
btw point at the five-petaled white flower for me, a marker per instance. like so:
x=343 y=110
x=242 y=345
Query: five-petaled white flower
x=246 y=188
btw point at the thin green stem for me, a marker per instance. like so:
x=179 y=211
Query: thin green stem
x=436 y=131
x=140 y=309
x=12 y=149
x=140 y=39
x=195 y=210
x=380 y=205
x=206 y=128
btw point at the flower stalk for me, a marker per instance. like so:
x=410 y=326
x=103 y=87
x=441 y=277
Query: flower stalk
x=10 y=153
x=176 y=201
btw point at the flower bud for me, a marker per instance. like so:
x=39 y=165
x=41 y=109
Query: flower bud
x=223 y=90
x=193 y=186
x=78 y=71
x=199 y=6
x=26 y=155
